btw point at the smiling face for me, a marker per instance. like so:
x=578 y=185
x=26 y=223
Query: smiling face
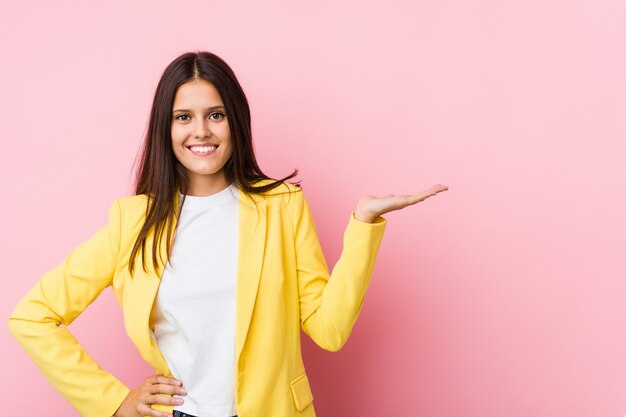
x=201 y=136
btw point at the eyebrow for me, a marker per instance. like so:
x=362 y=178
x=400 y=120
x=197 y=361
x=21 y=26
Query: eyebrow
x=210 y=108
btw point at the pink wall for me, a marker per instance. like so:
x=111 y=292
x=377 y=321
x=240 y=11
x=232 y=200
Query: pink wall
x=504 y=296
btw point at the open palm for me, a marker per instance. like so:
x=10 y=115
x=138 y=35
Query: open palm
x=369 y=207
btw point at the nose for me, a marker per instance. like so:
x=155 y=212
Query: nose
x=200 y=129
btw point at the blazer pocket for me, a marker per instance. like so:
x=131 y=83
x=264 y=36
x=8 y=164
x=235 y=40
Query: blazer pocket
x=301 y=392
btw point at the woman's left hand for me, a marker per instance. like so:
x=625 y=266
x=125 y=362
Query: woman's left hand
x=370 y=207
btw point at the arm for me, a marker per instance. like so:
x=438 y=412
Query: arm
x=330 y=303
x=57 y=299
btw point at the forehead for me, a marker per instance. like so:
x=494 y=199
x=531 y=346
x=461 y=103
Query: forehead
x=197 y=93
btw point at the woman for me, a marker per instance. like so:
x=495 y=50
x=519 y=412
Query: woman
x=230 y=270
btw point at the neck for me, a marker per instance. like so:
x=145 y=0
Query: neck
x=207 y=186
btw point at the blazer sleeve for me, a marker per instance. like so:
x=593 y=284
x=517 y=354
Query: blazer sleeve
x=38 y=322
x=330 y=303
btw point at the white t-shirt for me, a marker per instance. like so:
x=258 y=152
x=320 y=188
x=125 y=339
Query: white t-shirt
x=194 y=311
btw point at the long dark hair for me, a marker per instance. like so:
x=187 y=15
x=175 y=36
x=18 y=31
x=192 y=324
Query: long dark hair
x=160 y=176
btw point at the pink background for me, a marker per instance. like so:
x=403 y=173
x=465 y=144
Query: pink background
x=504 y=296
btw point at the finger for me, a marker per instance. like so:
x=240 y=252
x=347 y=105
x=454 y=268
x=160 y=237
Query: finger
x=161 y=379
x=416 y=198
x=166 y=389
x=429 y=192
x=437 y=188
x=162 y=399
x=402 y=201
x=408 y=199
x=146 y=410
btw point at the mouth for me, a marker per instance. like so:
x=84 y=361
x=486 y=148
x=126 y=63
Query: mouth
x=201 y=150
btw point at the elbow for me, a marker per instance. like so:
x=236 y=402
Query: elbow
x=330 y=344
x=24 y=331
x=326 y=337
x=15 y=326
x=332 y=347
x=28 y=322
x=20 y=326
x=19 y=319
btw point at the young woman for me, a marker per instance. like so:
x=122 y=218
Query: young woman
x=217 y=267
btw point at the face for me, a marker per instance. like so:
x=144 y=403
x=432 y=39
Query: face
x=201 y=136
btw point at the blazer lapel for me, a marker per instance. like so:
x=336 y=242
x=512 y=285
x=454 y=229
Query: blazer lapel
x=252 y=232
x=139 y=296
x=141 y=290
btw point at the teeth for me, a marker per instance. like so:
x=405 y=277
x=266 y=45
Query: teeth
x=203 y=148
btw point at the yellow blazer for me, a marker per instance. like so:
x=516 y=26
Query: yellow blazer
x=283 y=284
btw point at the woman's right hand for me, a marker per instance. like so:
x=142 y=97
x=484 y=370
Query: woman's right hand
x=137 y=402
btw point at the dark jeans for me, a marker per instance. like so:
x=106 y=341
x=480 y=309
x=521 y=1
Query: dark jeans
x=181 y=414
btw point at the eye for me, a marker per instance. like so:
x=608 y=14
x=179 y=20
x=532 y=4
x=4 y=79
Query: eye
x=219 y=116
x=182 y=117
